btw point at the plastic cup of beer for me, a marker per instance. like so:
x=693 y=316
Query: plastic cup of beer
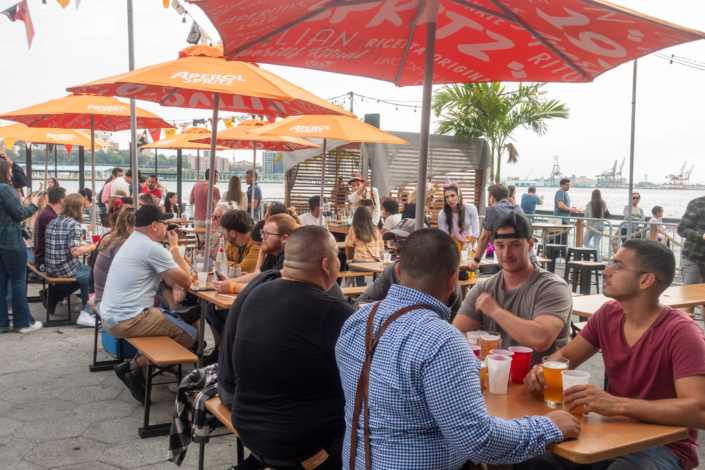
x=475 y=349
x=521 y=363
x=552 y=368
x=464 y=256
x=474 y=337
x=574 y=377
x=498 y=367
x=202 y=278
x=489 y=340
x=483 y=374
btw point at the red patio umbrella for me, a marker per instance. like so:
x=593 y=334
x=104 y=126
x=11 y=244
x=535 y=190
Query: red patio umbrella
x=419 y=42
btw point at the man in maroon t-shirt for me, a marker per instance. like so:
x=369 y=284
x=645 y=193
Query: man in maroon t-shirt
x=199 y=197
x=654 y=358
x=152 y=188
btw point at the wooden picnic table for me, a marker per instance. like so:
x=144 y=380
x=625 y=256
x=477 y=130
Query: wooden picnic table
x=601 y=437
x=674 y=296
x=335 y=228
x=377 y=268
x=348 y=250
x=222 y=301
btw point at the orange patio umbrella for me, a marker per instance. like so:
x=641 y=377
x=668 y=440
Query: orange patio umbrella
x=183 y=141
x=201 y=78
x=426 y=42
x=83 y=111
x=40 y=135
x=242 y=137
x=328 y=127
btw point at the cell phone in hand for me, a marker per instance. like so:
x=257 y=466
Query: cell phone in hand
x=218 y=276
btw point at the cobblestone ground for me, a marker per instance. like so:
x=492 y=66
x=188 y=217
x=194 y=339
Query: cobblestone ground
x=55 y=414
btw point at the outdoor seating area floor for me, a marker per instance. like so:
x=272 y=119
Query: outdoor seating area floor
x=55 y=414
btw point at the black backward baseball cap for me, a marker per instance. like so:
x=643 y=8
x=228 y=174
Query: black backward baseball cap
x=148 y=213
x=522 y=226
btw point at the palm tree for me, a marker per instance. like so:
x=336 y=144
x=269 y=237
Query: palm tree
x=474 y=110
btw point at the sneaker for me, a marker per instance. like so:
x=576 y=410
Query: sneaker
x=86 y=319
x=194 y=347
x=6 y=329
x=37 y=326
x=212 y=358
x=43 y=296
x=136 y=383
x=121 y=370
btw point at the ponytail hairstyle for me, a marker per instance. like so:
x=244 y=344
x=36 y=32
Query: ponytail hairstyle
x=449 y=212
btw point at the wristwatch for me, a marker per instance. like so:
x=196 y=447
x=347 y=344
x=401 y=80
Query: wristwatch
x=477 y=260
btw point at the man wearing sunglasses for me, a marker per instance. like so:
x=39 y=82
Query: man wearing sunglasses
x=653 y=358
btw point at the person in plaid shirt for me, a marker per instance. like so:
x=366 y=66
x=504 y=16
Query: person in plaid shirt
x=13 y=255
x=365 y=238
x=692 y=229
x=50 y=212
x=63 y=246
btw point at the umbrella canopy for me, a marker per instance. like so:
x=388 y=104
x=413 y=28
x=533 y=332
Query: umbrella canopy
x=422 y=42
x=329 y=127
x=200 y=71
x=184 y=141
x=75 y=110
x=244 y=137
x=40 y=135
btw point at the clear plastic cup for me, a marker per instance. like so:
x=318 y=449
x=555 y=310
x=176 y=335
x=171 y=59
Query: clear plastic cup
x=473 y=337
x=521 y=363
x=574 y=377
x=498 y=368
x=202 y=279
x=464 y=256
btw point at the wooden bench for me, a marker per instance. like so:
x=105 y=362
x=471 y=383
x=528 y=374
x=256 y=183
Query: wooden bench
x=163 y=354
x=46 y=279
x=221 y=412
x=100 y=366
x=354 y=273
x=353 y=291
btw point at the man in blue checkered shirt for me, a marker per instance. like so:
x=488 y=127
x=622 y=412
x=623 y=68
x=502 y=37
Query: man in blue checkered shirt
x=426 y=408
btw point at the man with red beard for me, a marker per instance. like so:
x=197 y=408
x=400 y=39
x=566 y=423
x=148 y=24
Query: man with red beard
x=528 y=306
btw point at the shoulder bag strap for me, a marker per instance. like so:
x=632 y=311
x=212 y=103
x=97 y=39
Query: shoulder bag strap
x=363 y=382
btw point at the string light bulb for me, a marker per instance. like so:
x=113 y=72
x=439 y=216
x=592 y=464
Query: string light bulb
x=183 y=22
x=44 y=4
x=670 y=64
x=397 y=107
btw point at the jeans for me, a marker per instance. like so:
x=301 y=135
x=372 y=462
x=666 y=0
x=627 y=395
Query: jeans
x=589 y=234
x=655 y=458
x=13 y=267
x=692 y=272
x=216 y=318
x=81 y=275
x=359 y=280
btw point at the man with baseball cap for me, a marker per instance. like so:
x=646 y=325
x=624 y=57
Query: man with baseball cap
x=127 y=309
x=527 y=305
x=378 y=291
x=364 y=195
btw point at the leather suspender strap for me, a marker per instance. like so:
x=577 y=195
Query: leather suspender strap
x=363 y=383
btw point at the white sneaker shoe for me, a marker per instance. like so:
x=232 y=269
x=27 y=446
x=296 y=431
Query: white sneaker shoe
x=37 y=326
x=6 y=329
x=86 y=319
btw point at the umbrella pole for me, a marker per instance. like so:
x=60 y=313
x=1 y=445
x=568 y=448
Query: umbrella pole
x=198 y=165
x=46 y=167
x=631 y=157
x=209 y=220
x=56 y=168
x=254 y=182
x=133 y=109
x=431 y=20
x=323 y=182
x=94 y=221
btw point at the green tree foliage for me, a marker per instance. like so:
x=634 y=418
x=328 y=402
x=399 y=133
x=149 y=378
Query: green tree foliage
x=474 y=110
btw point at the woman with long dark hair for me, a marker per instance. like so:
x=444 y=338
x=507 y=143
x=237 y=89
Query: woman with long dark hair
x=52 y=183
x=13 y=255
x=638 y=215
x=365 y=238
x=595 y=209
x=234 y=198
x=457 y=219
x=512 y=194
x=109 y=246
x=171 y=204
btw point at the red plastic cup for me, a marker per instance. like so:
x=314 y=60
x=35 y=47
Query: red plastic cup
x=96 y=238
x=476 y=349
x=521 y=363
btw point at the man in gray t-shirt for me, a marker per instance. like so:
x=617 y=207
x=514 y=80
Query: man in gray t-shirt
x=527 y=305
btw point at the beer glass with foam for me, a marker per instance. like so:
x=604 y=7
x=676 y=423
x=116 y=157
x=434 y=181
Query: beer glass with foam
x=552 y=368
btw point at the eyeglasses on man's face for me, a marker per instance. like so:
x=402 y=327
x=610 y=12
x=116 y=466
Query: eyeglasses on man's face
x=617 y=267
x=267 y=234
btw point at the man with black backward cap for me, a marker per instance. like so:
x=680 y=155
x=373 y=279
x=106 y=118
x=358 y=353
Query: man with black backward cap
x=527 y=305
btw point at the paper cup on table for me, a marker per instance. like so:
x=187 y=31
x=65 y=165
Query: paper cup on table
x=501 y=352
x=202 y=279
x=574 y=377
x=498 y=368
